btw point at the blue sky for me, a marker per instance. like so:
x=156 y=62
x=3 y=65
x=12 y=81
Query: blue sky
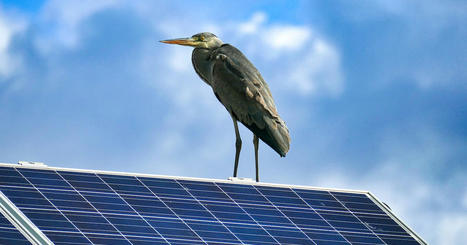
x=373 y=92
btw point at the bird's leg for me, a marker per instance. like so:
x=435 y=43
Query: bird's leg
x=238 y=146
x=256 y=144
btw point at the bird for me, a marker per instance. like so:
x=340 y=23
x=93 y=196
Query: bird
x=239 y=86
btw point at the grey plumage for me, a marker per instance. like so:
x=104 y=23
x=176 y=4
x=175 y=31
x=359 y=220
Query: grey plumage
x=242 y=90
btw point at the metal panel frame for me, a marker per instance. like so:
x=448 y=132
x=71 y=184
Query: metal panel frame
x=389 y=212
x=21 y=222
x=232 y=180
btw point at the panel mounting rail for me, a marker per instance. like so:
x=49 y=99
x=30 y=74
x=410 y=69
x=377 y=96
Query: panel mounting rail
x=21 y=222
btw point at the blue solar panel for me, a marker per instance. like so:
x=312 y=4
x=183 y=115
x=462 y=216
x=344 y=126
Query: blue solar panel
x=9 y=234
x=84 y=207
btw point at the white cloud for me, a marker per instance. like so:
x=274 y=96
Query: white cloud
x=180 y=59
x=286 y=37
x=9 y=26
x=435 y=210
x=452 y=229
x=64 y=18
x=307 y=63
x=412 y=203
x=464 y=199
x=253 y=24
x=294 y=57
x=318 y=71
x=430 y=33
x=279 y=37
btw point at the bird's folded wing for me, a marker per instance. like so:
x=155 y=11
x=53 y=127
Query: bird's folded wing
x=235 y=73
x=242 y=90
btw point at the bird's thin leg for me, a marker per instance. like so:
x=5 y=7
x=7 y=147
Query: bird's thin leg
x=238 y=146
x=256 y=143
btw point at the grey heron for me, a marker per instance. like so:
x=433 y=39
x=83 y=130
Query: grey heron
x=242 y=90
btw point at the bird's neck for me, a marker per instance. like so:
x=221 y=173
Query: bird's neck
x=201 y=62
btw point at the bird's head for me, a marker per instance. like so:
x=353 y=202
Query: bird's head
x=200 y=40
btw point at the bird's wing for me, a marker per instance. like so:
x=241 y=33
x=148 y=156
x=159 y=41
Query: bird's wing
x=242 y=90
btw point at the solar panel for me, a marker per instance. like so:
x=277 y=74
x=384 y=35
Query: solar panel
x=9 y=234
x=94 y=207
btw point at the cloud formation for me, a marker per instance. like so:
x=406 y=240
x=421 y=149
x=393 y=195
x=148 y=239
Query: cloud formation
x=10 y=24
x=373 y=96
x=307 y=63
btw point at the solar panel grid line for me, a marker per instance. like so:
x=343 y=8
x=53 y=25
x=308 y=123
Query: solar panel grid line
x=9 y=236
x=81 y=212
x=203 y=240
x=199 y=221
x=131 y=237
x=52 y=204
x=43 y=227
x=291 y=237
x=393 y=217
x=345 y=223
x=280 y=226
x=53 y=230
x=354 y=214
x=304 y=206
x=214 y=235
x=139 y=195
x=246 y=212
x=172 y=210
x=209 y=211
x=306 y=221
x=174 y=236
x=92 y=206
x=314 y=230
x=232 y=223
x=338 y=208
x=71 y=196
x=66 y=237
x=349 y=233
x=10 y=229
x=222 y=211
x=270 y=226
x=284 y=214
x=49 y=198
x=251 y=237
x=358 y=219
x=247 y=241
x=66 y=214
x=273 y=227
x=389 y=225
x=318 y=230
x=319 y=214
x=223 y=223
x=195 y=178
x=132 y=208
x=334 y=212
x=242 y=211
x=110 y=234
x=222 y=201
x=166 y=177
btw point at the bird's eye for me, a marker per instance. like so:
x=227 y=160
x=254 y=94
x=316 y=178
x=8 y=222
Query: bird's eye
x=201 y=38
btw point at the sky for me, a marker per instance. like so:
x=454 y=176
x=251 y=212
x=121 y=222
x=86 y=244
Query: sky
x=374 y=94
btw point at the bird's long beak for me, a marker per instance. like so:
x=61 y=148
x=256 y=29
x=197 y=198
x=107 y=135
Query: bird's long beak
x=181 y=41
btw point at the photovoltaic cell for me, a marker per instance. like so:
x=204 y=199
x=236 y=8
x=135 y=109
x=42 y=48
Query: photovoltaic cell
x=9 y=234
x=85 y=207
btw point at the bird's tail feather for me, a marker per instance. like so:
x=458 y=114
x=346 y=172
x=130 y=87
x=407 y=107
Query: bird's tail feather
x=275 y=134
